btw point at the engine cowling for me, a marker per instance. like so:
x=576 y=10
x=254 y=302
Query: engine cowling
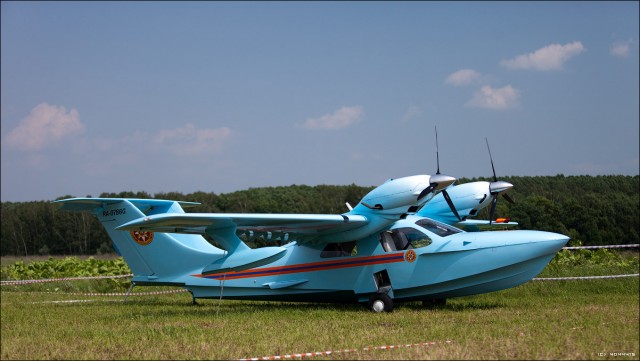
x=397 y=196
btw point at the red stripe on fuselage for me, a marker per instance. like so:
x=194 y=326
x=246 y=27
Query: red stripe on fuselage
x=308 y=267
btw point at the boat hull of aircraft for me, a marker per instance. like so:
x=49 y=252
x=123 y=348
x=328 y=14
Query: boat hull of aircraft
x=468 y=264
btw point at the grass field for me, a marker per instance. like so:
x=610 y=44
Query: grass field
x=592 y=319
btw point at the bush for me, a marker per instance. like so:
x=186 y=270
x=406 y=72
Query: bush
x=66 y=267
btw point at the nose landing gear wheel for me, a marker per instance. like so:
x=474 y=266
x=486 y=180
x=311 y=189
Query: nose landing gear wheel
x=380 y=302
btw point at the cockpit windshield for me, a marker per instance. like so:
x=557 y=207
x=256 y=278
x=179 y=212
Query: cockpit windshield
x=441 y=229
x=399 y=239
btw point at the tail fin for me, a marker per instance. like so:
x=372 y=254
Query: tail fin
x=156 y=257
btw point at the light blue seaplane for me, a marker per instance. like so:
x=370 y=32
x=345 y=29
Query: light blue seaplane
x=397 y=244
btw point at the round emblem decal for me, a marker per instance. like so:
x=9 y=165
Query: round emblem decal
x=410 y=256
x=142 y=238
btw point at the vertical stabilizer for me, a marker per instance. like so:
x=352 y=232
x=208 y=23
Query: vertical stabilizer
x=160 y=257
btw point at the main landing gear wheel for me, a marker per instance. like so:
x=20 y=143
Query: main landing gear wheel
x=380 y=302
x=434 y=303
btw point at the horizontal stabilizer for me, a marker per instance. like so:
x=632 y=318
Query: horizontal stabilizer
x=89 y=204
x=245 y=259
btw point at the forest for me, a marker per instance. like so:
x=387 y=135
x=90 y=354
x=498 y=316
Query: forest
x=592 y=210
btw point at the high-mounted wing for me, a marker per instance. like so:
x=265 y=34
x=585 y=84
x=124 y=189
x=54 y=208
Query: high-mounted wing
x=296 y=226
x=381 y=207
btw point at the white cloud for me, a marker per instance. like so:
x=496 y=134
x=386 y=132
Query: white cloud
x=189 y=140
x=551 y=57
x=341 y=118
x=44 y=126
x=500 y=98
x=412 y=113
x=620 y=48
x=463 y=77
x=169 y=147
x=186 y=140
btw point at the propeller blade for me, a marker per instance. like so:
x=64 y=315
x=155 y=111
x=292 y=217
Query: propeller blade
x=443 y=179
x=450 y=203
x=495 y=179
x=427 y=190
x=437 y=155
x=438 y=181
x=496 y=187
x=509 y=199
x=493 y=207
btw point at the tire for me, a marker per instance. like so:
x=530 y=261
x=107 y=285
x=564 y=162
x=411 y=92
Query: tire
x=380 y=302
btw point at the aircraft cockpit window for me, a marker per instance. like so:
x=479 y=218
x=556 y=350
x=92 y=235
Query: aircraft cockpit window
x=438 y=228
x=400 y=239
x=345 y=249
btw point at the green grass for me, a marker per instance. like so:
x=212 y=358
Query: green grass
x=539 y=320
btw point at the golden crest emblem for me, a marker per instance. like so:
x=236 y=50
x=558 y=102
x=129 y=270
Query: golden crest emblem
x=410 y=256
x=142 y=238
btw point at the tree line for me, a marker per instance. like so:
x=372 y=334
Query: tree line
x=591 y=210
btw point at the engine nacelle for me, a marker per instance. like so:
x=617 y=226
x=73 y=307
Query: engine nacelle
x=398 y=196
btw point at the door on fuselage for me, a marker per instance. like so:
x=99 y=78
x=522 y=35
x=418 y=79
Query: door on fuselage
x=394 y=240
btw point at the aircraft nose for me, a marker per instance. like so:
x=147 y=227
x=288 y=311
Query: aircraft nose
x=553 y=240
x=543 y=236
x=499 y=186
x=560 y=239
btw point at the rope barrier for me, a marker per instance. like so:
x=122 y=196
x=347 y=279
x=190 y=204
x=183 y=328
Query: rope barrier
x=115 y=294
x=635 y=245
x=26 y=282
x=326 y=353
x=45 y=280
x=583 y=278
x=118 y=294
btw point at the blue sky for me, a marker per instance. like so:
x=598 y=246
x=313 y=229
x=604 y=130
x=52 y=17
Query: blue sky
x=218 y=97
